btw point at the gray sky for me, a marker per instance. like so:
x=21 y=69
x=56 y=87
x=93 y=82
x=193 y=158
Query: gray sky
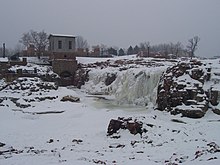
x=116 y=22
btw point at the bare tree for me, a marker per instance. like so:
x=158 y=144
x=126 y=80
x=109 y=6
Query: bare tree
x=178 y=47
x=38 y=39
x=192 y=45
x=175 y=49
x=81 y=43
x=144 y=46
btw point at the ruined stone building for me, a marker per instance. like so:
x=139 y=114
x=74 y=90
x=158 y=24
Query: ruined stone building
x=62 y=50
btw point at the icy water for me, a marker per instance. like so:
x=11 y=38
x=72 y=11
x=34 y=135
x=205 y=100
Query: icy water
x=112 y=105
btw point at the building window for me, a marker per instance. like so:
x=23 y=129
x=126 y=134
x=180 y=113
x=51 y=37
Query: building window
x=59 y=44
x=70 y=44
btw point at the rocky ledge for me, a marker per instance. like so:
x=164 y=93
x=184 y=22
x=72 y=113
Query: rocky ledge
x=190 y=89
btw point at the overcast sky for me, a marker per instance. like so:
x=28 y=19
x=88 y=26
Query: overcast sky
x=118 y=23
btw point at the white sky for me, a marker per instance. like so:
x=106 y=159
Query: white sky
x=118 y=23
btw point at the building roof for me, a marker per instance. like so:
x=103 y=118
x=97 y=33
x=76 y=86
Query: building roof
x=62 y=35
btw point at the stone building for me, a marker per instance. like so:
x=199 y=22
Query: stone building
x=62 y=50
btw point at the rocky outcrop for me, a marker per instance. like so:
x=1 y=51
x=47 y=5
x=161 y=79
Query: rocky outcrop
x=31 y=89
x=183 y=90
x=31 y=84
x=81 y=76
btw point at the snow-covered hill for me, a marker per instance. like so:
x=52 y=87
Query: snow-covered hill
x=36 y=127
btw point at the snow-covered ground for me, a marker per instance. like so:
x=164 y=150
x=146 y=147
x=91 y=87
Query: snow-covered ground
x=49 y=131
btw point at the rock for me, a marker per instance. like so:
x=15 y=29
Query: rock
x=191 y=113
x=117 y=146
x=81 y=76
x=2 y=144
x=214 y=97
x=77 y=141
x=180 y=90
x=70 y=98
x=134 y=127
x=50 y=141
x=45 y=98
x=216 y=111
x=114 y=126
x=110 y=78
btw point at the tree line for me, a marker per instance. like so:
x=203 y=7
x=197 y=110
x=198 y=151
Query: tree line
x=40 y=42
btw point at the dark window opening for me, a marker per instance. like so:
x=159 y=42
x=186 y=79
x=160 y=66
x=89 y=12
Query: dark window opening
x=59 y=44
x=70 y=44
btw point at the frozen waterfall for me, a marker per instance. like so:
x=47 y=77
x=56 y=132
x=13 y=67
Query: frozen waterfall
x=133 y=86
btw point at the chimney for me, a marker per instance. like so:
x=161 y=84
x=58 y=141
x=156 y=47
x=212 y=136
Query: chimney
x=3 y=50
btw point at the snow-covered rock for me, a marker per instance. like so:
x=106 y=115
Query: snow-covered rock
x=187 y=88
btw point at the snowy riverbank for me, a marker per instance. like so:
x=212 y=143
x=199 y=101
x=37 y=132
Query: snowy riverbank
x=78 y=135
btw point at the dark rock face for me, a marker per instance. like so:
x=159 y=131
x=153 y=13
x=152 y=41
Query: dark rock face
x=110 y=79
x=181 y=90
x=214 y=100
x=114 y=126
x=134 y=127
x=81 y=76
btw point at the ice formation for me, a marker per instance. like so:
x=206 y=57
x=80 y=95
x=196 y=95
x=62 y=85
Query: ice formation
x=136 y=87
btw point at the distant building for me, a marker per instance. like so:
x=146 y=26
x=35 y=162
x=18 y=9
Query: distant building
x=30 y=52
x=62 y=43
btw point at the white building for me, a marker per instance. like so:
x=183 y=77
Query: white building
x=62 y=43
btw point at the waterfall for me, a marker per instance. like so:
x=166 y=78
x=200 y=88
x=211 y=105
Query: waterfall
x=136 y=86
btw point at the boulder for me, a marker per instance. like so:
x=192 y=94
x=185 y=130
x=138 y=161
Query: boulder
x=189 y=112
x=114 y=126
x=70 y=98
x=134 y=127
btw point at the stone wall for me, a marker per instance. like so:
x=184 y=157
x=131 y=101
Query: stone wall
x=64 y=65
